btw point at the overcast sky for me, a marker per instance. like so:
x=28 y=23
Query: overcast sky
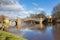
x=22 y=8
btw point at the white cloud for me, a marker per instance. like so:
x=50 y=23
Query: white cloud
x=24 y=12
x=13 y=8
x=35 y=4
x=10 y=5
x=31 y=12
x=28 y=12
x=41 y=9
x=9 y=14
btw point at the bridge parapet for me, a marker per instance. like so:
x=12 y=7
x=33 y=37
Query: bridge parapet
x=33 y=19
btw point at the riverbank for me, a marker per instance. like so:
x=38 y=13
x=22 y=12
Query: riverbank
x=9 y=36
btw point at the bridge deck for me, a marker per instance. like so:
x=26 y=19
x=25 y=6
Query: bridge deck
x=33 y=19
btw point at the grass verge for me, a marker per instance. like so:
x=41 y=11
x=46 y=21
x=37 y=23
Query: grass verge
x=9 y=36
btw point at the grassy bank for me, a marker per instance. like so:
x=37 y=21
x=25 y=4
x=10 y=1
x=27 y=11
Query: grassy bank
x=9 y=36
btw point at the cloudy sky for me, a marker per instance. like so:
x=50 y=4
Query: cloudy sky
x=22 y=8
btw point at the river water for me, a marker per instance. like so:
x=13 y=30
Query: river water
x=39 y=32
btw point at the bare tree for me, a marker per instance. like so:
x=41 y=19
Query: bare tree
x=41 y=14
x=56 y=11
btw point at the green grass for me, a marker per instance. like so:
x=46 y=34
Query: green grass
x=9 y=36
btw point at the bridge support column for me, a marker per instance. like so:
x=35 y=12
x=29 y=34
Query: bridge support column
x=6 y=24
x=19 y=23
x=50 y=20
x=41 y=24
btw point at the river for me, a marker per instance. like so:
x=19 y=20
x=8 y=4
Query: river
x=39 y=32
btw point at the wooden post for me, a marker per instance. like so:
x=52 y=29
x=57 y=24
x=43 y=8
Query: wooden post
x=19 y=23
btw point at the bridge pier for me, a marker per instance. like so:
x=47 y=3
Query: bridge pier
x=49 y=19
x=6 y=24
x=19 y=23
x=41 y=23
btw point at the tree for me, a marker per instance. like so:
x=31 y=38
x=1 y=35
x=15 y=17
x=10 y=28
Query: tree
x=56 y=11
x=32 y=15
x=4 y=22
x=42 y=14
x=2 y=17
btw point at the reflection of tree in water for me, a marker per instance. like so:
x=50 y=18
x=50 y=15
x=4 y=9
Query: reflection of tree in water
x=56 y=31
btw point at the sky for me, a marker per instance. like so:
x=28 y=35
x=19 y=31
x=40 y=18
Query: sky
x=23 y=8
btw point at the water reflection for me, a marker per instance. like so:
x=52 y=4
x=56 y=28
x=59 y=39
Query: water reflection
x=39 y=32
x=56 y=31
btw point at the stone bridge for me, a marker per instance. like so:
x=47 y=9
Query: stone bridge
x=33 y=19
